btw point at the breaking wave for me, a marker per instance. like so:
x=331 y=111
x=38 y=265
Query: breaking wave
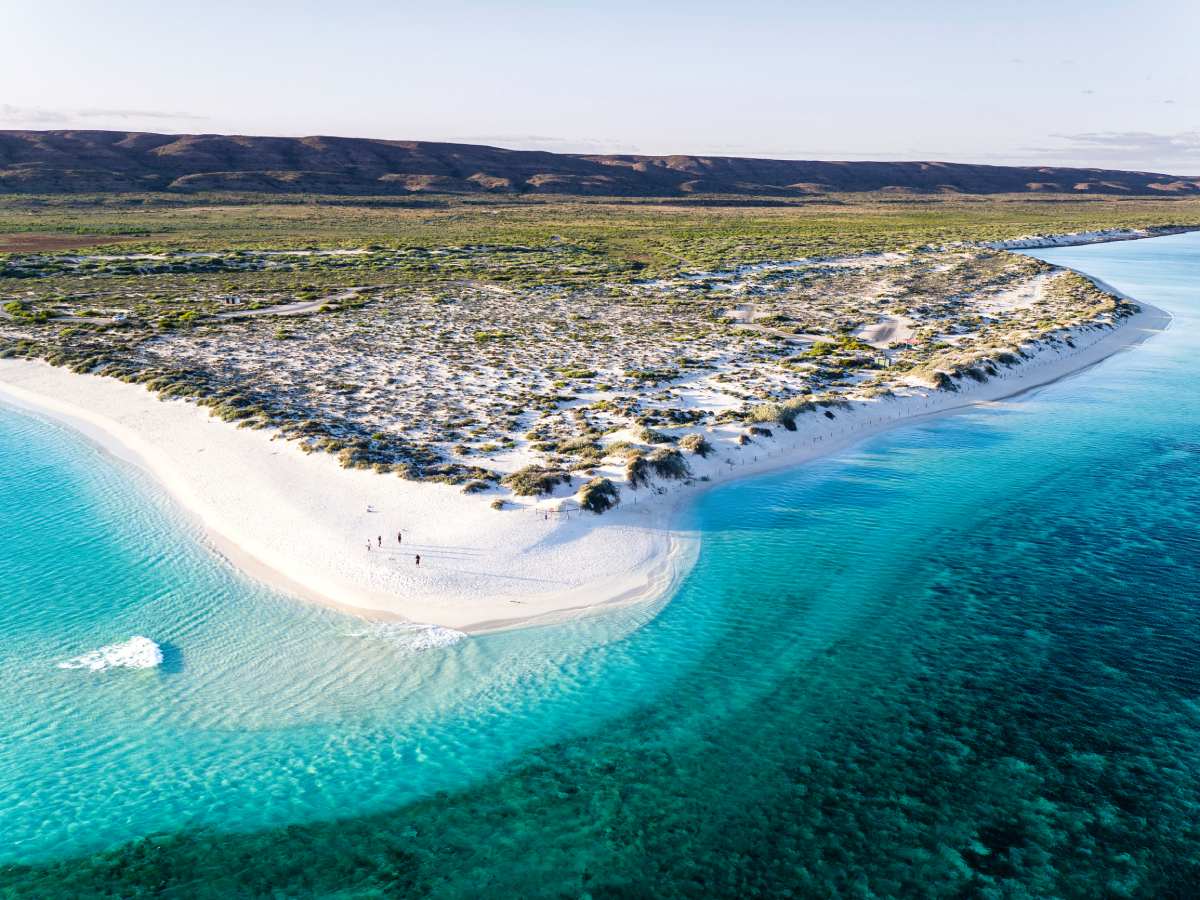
x=413 y=636
x=136 y=653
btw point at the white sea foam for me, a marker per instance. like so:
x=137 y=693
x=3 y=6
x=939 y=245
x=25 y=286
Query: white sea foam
x=413 y=636
x=136 y=653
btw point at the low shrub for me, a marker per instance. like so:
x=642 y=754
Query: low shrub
x=696 y=443
x=637 y=470
x=667 y=463
x=582 y=445
x=942 y=382
x=651 y=436
x=784 y=413
x=598 y=495
x=577 y=373
x=534 y=480
x=487 y=337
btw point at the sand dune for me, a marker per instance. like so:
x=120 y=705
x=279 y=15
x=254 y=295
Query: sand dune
x=303 y=523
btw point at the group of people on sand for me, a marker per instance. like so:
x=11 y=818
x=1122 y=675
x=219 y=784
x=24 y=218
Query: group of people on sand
x=399 y=540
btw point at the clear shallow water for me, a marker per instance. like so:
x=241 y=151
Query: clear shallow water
x=265 y=710
x=960 y=660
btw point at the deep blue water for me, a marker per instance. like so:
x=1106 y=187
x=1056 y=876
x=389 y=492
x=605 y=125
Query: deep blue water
x=959 y=660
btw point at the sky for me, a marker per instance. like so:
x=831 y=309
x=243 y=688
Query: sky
x=1054 y=82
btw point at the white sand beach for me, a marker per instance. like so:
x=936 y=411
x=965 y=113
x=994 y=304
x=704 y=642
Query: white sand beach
x=303 y=523
x=1077 y=238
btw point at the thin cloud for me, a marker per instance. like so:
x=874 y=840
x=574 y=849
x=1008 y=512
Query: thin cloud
x=135 y=114
x=31 y=114
x=1181 y=144
x=1144 y=150
x=41 y=116
x=551 y=143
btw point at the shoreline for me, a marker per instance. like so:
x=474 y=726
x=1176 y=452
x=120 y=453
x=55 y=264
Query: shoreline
x=298 y=522
x=135 y=428
x=1081 y=238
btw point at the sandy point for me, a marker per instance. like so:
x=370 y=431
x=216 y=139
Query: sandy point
x=350 y=538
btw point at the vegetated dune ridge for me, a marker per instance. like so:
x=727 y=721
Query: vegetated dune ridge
x=49 y=162
x=305 y=524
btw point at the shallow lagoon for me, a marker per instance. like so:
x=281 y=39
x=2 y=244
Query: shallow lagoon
x=959 y=659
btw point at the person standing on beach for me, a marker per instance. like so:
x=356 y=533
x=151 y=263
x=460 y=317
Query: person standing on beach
x=399 y=537
x=418 y=559
x=380 y=539
x=368 y=545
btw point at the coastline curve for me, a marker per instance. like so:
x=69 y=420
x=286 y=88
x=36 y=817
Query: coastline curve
x=295 y=521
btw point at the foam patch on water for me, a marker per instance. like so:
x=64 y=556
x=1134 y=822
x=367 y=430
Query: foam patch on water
x=136 y=653
x=412 y=635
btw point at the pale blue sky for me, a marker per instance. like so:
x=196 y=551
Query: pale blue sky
x=1090 y=83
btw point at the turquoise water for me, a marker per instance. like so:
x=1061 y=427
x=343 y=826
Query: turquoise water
x=958 y=661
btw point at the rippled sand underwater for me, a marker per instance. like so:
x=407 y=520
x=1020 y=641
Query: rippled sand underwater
x=960 y=661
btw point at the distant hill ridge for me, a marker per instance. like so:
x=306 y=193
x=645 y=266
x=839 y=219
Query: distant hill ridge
x=50 y=162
